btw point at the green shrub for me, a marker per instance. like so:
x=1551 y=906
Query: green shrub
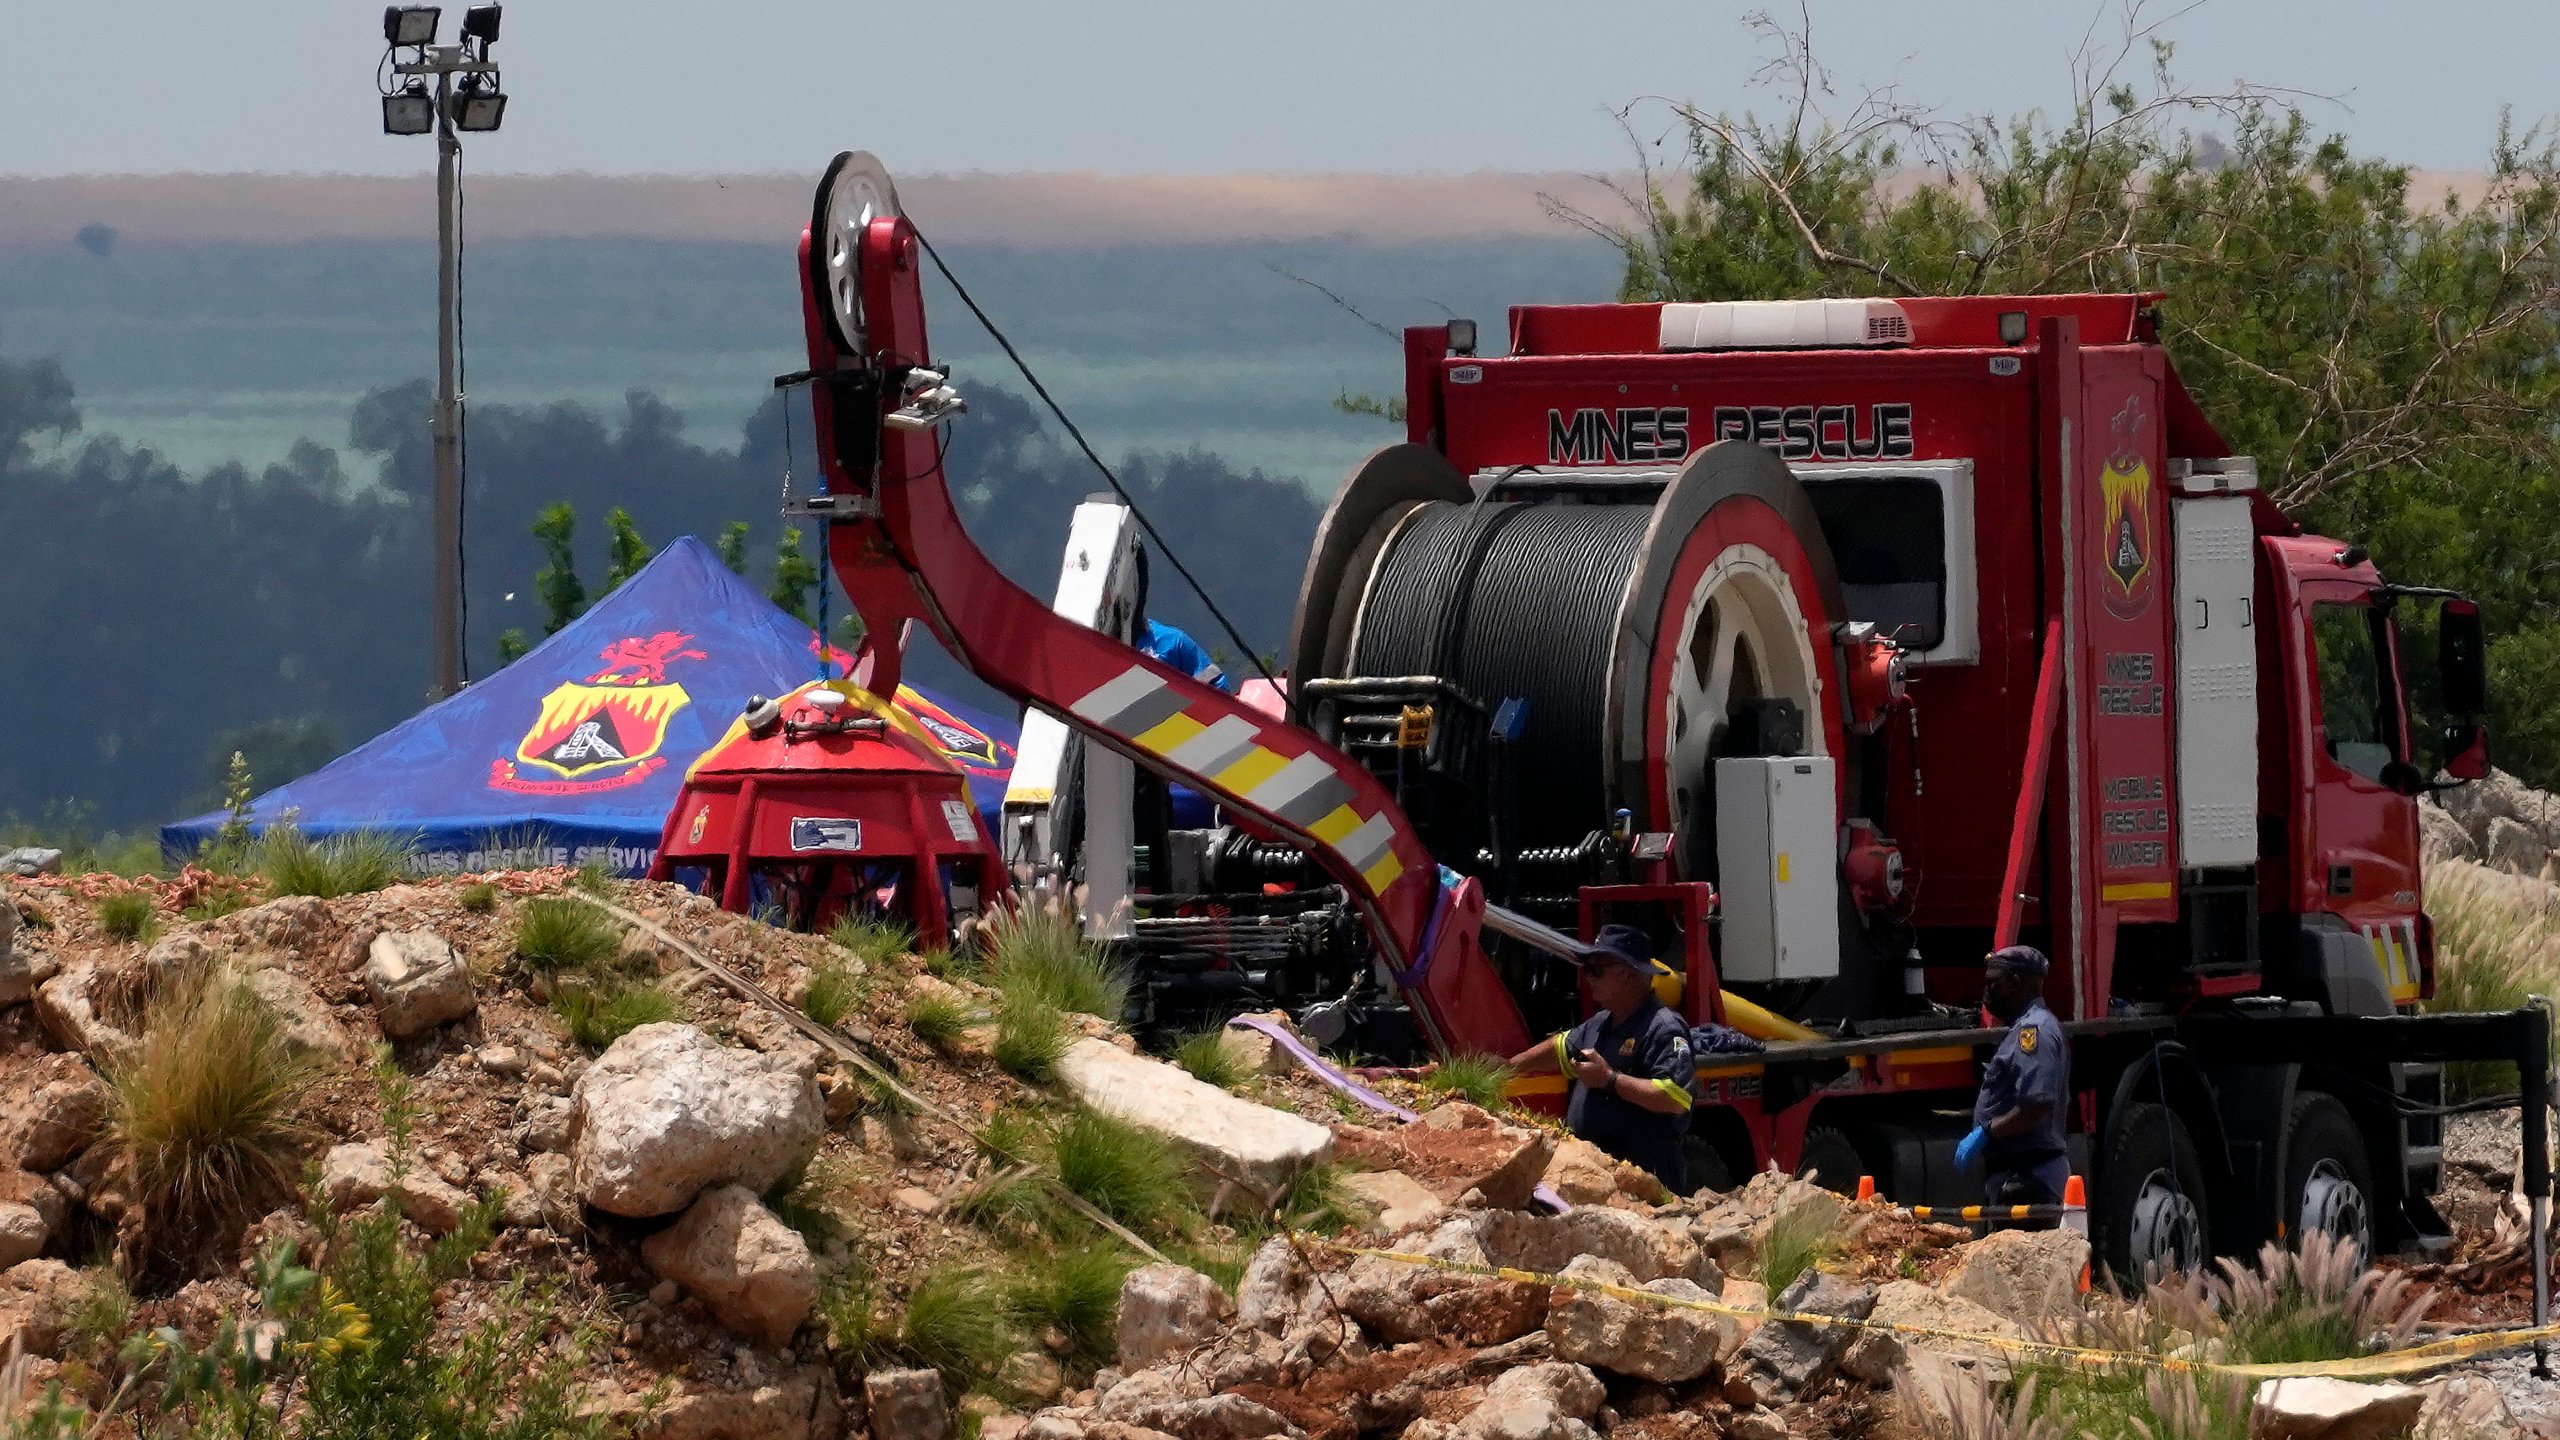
x=1039 y=953
x=1031 y=1038
x=555 y=934
x=1210 y=1059
x=875 y=942
x=957 y=1322
x=833 y=991
x=204 y=1114
x=599 y=1012
x=1476 y=1079
x=1078 y=1292
x=512 y=1371
x=938 y=1017
x=354 y=863
x=1134 y=1176
x=479 y=898
x=129 y=915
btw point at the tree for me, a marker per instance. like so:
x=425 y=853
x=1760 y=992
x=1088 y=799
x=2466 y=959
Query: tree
x=556 y=584
x=732 y=546
x=629 y=551
x=794 y=576
x=2384 y=354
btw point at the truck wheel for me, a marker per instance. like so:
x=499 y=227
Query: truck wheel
x=2328 y=1180
x=2152 y=1212
x=1707 y=1169
x=1829 y=1160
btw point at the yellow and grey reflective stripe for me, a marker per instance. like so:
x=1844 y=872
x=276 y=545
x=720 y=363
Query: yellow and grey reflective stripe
x=2395 y=954
x=1564 y=1057
x=1678 y=1092
x=1305 y=791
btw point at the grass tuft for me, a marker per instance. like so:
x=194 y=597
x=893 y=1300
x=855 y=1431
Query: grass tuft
x=1206 y=1054
x=874 y=942
x=1134 y=1176
x=1039 y=954
x=1319 y=1201
x=603 y=1010
x=479 y=899
x=1031 y=1038
x=354 y=863
x=594 y=877
x=858 y=1324
x=957 y=1322
x=129 y=914
x=938 y=1017
x=205 y=1112
x=554 y=934
x=1077 y=1291
x=1476 y=1079
x=1796 y=1243
x=833 y=990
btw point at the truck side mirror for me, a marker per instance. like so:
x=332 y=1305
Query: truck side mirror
x=2466 y=751
x=2461 y=660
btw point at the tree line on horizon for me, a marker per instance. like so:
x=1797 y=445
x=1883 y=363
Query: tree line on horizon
x=159 y=620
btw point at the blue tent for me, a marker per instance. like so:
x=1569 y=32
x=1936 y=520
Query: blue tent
x=576 y=752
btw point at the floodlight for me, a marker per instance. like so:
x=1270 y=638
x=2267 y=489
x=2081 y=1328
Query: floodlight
x=477 y=107
x=409 y=112
x=412 y=24
x=480 y=23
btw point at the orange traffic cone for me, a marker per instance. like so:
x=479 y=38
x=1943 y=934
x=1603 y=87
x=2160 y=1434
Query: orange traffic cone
x=1866 y=1188
x=2075 y=1217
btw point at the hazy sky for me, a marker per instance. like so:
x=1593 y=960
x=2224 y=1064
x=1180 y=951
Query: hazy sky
x=1161 y=85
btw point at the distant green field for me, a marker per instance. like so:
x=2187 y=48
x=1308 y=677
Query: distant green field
x=232 y=352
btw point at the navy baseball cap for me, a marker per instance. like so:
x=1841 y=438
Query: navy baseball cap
x=1624 y=944
x=2018 y=960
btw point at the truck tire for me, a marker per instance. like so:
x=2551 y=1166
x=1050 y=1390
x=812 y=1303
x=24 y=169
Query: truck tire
x=2151 y=1209
x=2328 y=1177
x=1831 y=1161
x=1707 y=1167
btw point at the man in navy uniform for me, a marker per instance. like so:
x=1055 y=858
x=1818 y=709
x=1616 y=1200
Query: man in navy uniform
x=1629 y=1062
x=2026 y=1089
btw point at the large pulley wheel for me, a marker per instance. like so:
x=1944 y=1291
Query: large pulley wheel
x=1731 y=607
x=855 y=191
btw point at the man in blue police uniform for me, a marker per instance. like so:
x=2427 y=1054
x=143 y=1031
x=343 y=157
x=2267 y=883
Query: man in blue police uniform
x=1629 y=1062
x=2026 y=1089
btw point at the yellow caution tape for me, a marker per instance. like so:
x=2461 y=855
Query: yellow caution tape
x=2417 y=1359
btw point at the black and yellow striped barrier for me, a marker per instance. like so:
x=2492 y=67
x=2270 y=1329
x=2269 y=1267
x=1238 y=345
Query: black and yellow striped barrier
x=1978 y=1214
x=2417 y=1359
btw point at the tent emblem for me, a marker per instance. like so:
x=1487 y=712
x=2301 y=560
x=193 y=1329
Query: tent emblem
x=605 y=731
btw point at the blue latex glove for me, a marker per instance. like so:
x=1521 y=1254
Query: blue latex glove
x=1969 y=1149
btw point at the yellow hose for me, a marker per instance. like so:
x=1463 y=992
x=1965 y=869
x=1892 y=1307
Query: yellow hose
x=1762 y=1024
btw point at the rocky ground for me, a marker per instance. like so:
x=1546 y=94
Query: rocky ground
x=700 y=1186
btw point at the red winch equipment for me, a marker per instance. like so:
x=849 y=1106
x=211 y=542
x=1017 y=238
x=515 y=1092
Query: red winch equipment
x=1642 y=626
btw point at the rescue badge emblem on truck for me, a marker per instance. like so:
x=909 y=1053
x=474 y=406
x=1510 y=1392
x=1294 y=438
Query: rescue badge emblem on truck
x=2126 y=486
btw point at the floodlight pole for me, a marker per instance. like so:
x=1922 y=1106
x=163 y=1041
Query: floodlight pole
x=448 y=418
x=445 y=613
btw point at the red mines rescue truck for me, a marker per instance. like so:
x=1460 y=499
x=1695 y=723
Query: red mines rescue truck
x=1835 y=643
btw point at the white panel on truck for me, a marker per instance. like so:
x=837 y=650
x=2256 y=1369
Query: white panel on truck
x=1778 y=873
x=2217 y=693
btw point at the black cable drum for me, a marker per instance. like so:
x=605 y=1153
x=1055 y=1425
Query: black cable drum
x=1510 y=599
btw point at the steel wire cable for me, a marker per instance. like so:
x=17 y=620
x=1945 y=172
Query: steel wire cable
x=1511 y=600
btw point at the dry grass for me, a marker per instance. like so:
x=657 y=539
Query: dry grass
x=2495 y=945
x=205 y=1114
